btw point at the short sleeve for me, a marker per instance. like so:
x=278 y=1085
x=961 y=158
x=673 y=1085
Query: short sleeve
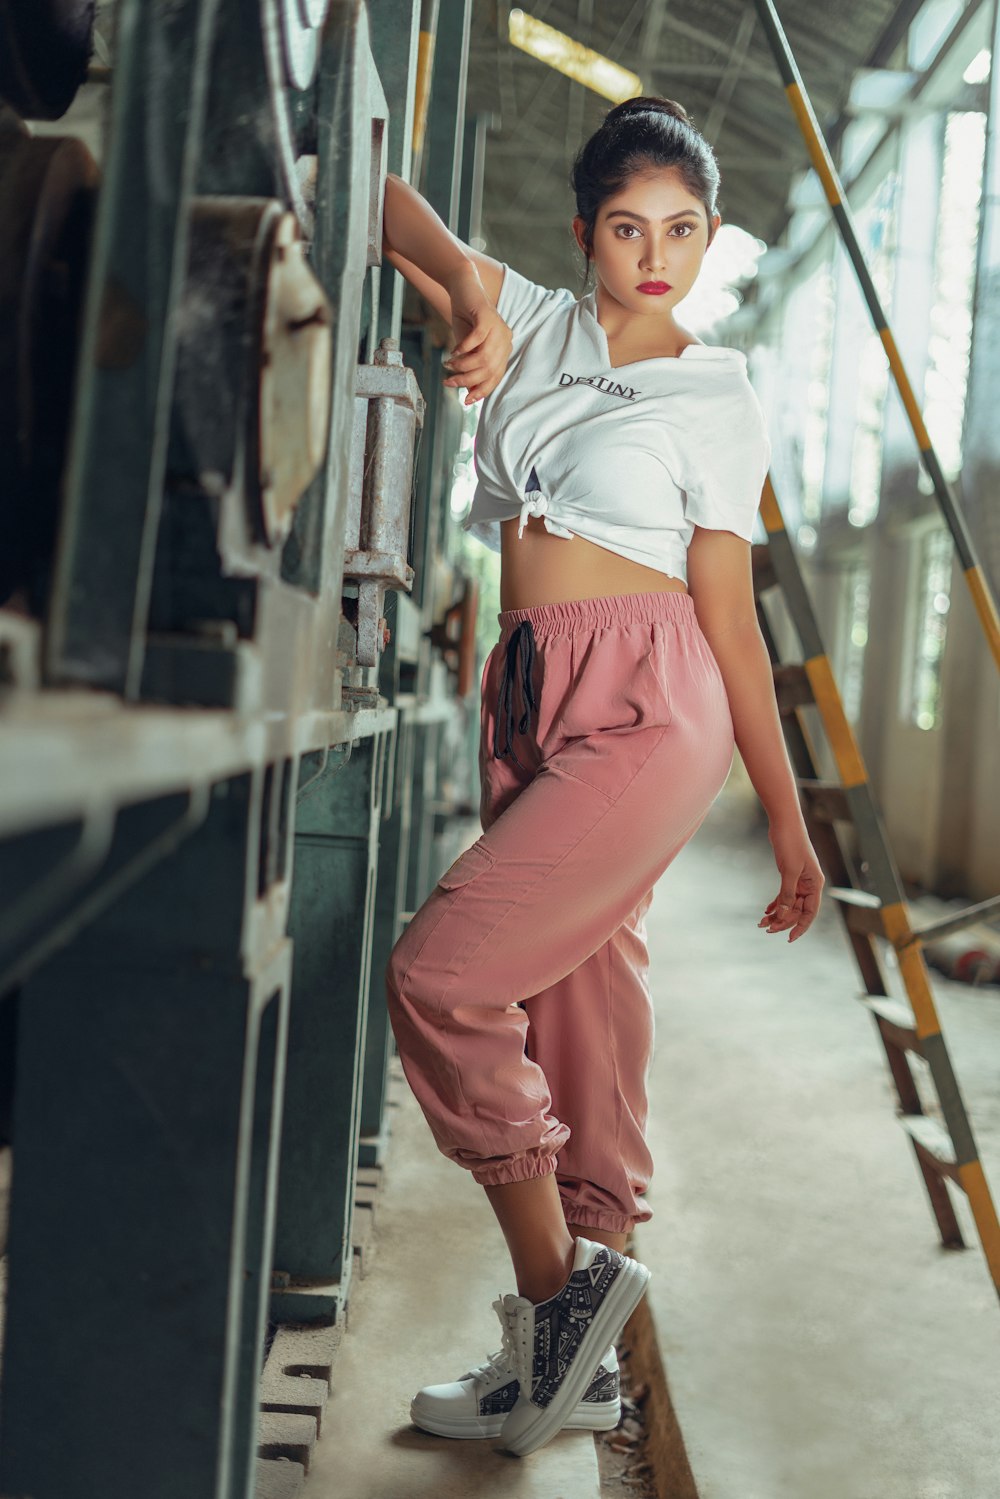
x=727 y=462
x=524 y=305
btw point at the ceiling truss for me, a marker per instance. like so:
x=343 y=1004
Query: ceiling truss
x=710 y=54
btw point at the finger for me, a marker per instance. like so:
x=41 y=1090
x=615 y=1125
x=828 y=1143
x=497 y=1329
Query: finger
x=787 y=908
x=786 y=916
x=804 y=913
x=479 y=392
x=801 y=927
x=472 y=387
x=462 y=364
x=481 y=383
x=810 y=909
x=473 y=374
x=781 y=903
x=470 y=342
x=785 y=897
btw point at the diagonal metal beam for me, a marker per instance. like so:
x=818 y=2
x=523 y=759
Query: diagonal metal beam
x=577 y=91
x=649 y=41
x=806 y=46
x=730 y=76
x=757 y=71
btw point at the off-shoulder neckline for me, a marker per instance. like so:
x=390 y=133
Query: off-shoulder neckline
x=588 y=302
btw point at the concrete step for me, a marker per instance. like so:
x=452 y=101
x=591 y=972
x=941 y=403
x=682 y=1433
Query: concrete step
x=421 y=1316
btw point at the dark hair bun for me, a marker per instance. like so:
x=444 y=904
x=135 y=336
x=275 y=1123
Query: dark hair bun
x=647 y=104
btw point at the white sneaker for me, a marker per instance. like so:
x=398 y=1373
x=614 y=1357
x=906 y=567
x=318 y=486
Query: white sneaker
x=554 y=1345
x=478 y=1403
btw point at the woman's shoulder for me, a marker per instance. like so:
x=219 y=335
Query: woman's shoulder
x=725 y=354
x=526 y=305
x=719 y=405
x=516 y=284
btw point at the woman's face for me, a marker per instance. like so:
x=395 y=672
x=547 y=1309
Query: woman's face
x=653 y=230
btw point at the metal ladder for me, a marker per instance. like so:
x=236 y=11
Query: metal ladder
x=871 y=900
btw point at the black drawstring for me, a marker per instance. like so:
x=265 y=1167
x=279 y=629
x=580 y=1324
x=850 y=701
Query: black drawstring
x=505 y=698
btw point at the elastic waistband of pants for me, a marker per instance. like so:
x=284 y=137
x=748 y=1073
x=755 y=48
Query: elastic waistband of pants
x=609 y=609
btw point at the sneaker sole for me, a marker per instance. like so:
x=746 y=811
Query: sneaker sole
x=619 y=1304
x=590 y=1417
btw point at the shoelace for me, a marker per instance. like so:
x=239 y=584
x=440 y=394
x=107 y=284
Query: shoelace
x=518 y=1340
x=497 y=1364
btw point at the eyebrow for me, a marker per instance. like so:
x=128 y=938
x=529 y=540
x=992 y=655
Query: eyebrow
x=623 y=213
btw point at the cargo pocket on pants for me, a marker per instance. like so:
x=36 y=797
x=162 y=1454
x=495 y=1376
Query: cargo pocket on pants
x=476 y=859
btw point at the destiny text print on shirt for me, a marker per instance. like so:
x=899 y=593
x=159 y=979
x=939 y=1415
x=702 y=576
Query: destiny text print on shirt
x=632 y=457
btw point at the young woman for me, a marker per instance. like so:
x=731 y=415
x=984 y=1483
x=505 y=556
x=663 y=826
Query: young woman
x=620 y=464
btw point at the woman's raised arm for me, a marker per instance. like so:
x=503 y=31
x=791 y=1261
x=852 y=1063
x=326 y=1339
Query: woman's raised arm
x=460 y=283
x=422 y=247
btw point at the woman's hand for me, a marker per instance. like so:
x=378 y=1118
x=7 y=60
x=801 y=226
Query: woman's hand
x=479 y=358
x=802 y=881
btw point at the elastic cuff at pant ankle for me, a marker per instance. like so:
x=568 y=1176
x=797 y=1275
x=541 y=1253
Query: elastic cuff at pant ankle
x=610 y=1223
x=517 y=1168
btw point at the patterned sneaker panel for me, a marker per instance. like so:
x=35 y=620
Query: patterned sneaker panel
x=554 y=1343
x=604 y=1389
x=499 y=1402
x=561 y=1323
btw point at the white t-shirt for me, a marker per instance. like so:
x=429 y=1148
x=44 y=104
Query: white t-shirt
x=633 y=457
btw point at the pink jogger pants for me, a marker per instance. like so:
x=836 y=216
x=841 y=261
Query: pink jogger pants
x=518 y=993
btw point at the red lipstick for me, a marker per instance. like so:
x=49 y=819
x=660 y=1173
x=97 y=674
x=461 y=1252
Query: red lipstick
x=654 y=288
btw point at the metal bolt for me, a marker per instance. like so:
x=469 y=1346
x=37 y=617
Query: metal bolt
x=388 y=352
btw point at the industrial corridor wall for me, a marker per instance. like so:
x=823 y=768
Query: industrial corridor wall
x=228 y=685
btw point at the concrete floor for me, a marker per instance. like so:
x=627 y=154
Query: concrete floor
x=818 y=1342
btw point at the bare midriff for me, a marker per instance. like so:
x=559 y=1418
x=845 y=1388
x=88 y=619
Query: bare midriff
x=539 y=568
